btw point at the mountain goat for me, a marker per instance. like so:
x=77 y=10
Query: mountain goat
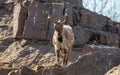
x=63 y=39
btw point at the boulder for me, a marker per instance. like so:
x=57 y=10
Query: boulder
x=111 y=27
x=82 y=35
x=13 y=72
x=107 y=38
x=119 y=30
x=114 y=71
x=69 y=12
x=19 y=17
x=92 y=20
x=56 y=11
x=2 y=2
x=93 y=60
x=76 y=3
x=49 y=1
x=36 y=24
x=4 y=71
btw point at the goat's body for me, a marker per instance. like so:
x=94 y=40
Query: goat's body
x=64 y=47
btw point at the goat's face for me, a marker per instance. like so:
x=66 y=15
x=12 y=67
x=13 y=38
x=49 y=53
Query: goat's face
x=58 y=27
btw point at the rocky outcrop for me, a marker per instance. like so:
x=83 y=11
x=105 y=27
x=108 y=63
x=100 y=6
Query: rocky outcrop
x=6 y=1
x=5 y=28
x=96 y=60
x=4 y=71
x=92 y=20
x=37 y=25
x=114 y=71
x=19 y=17
x=97 y=39
x=101 y=37
x=82 y=35
x=92 y=60
x=88 y=26
x=43 y=26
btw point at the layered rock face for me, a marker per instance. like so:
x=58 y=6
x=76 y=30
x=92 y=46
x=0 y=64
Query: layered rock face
x=97 y=39
x=92 y=60
x=114 y=71
x=30 y=21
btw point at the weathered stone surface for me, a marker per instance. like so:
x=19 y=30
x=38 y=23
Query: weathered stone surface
x=36 y=24
x=96 y=60
x=3 y=11
x=56 y=11
x=112 y=40
x=82 y=35
x=19 y=17
x=92 y=20
x=119 y=30
x=75 y=3
x=114 y=71
x=6 y=1
x=111 y=27
x=50 y=1
x=4 y=71
x=69 y=13
x=105 y=38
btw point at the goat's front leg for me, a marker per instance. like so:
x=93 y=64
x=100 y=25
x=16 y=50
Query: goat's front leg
x=57 y=52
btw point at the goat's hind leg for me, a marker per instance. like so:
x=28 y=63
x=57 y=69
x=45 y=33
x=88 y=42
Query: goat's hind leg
x=65 y=58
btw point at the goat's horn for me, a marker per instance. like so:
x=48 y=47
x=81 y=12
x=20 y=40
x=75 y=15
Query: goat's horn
x=63 y=19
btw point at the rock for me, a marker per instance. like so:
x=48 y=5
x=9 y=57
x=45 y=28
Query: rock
x=50 y=1
x=26 y=71
x=6 y=10
x=43 y=29
x=69 y=13
x=76 y=3
x=93 y=60
x=2 y=2
x=56 y=11
x=14 y=72
x=114 y=71
x=19 y=17
x=4 y=71
x=36 y=24
x=111 y=27
x=119 y=30
x=107 y=38
x=92 y=20
x=82 y=35
x=112 y=40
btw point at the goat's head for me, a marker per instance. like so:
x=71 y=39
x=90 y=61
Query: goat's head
x=58 y=25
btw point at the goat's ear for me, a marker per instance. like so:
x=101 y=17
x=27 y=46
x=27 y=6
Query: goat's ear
x=63 y=20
